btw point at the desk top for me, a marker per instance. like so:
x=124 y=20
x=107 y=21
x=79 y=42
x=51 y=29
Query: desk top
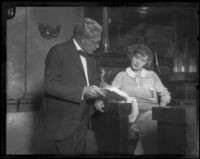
x=118 y=108
x=175 y=114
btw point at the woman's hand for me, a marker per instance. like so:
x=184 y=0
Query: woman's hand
x=164 y=100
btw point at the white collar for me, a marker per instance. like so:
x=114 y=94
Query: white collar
x=131 y=73
x=77 y=45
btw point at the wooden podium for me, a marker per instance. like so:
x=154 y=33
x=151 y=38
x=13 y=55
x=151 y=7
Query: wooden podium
x=111 y=129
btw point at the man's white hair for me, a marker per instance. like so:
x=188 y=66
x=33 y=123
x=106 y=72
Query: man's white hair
x=87 y=28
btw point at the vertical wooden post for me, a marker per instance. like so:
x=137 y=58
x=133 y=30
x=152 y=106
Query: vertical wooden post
x=105 y=29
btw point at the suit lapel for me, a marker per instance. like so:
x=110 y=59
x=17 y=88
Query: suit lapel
x=77 y=60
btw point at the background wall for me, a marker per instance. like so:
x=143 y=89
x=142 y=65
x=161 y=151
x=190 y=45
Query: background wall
x=26 y=52
x=26 y=49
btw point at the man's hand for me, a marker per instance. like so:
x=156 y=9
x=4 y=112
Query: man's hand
x=93 y=92
x=99 y=105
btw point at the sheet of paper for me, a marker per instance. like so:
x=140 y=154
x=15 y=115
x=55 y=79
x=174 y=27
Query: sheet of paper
x=113 y=93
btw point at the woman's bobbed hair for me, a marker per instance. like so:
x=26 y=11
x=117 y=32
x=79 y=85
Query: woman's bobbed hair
x=141 y=49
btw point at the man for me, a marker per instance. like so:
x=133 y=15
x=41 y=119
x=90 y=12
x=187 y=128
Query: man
x=70 y=90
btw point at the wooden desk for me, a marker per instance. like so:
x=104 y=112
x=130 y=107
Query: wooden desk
x=111 y=129
x=177 y=130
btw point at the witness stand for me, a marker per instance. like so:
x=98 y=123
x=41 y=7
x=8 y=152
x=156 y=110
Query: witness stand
x=111 y=129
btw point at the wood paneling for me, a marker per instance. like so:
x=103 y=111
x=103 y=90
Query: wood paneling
x=38 y=47
x=16 y=54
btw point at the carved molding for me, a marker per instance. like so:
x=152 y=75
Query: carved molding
x=28 y=103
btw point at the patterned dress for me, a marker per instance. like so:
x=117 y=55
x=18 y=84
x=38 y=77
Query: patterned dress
x=146 y=87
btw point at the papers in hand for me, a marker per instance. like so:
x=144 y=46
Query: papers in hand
x=115 y=94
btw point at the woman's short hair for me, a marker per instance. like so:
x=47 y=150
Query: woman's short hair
x=87 y=28
x=141 y=49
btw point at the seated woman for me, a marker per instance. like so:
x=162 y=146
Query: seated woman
x=146 y=87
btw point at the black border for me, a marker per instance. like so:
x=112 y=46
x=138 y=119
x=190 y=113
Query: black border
x=5 y=5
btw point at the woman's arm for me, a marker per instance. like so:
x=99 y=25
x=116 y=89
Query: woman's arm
x=162 y=91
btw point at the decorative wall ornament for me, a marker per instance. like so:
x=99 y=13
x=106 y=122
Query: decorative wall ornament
x=48 y=32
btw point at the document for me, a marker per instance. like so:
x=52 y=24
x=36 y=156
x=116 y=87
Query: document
x=115 y=94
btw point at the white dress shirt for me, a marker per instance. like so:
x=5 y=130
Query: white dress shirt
x=83 y=60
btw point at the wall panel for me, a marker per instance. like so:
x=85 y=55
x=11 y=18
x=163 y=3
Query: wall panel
x=16 y=55
x=38 y=47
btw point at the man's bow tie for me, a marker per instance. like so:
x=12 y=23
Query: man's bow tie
x=84 y=54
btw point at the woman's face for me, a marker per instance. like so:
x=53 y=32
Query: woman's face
x=138 y=62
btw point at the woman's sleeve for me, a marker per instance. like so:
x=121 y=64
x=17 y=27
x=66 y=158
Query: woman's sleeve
x=117 y=81
x=161 y=90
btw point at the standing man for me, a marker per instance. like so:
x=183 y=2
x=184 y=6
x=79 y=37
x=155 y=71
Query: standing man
x=71 y=90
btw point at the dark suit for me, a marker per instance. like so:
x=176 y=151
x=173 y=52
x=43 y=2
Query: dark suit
x=66 y=116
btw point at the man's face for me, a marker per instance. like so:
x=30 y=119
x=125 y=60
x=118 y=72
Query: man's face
x=90 y=45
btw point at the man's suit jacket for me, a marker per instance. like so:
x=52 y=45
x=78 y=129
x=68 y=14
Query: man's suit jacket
x=66 y=116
